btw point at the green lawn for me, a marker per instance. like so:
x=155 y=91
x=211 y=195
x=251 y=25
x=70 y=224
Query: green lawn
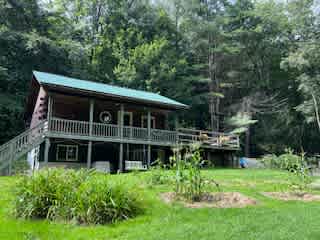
x=270 y=219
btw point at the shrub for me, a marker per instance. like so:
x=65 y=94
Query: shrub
x=287 y=161
x=297 y=166
x=101 y=201
x=83 y=196
x=47 y=193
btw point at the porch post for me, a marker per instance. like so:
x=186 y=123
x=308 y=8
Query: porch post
x=176 y=122
x=149 y=137
x=89 y=153
x=46 y=151
x=49 y=113
x=121 y=137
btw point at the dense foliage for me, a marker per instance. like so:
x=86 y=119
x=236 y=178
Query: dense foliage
x=297 y=165
x=245 y=66
x=287 y=161
x=80 y=196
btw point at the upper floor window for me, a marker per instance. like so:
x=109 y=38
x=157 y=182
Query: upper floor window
x=144 y=121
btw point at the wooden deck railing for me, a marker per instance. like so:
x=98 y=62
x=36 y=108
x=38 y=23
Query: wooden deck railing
x=106 y=130
x=59 y=125
x=209 y=138
x=135 y=133
x=112 y=131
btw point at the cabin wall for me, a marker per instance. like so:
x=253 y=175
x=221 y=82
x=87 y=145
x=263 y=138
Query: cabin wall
x=40 y=108
x=82 y=150
x=77 y=108
x=70 y=110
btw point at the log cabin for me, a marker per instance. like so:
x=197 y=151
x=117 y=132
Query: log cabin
x=79 y=123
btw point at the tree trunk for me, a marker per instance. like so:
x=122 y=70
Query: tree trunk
x=247 y=143
x=315 y=103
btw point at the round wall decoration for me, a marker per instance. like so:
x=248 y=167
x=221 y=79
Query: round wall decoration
x=105 y=117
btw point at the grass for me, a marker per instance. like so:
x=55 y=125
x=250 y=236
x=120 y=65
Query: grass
x=271 y=219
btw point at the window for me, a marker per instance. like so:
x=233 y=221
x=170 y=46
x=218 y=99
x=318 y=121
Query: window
x=144 y=122
x=127 y=118
x=67 y=153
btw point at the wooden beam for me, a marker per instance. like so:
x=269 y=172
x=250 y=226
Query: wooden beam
x=176 y=122
x=121 y=137
x=121 y=120
x=121 y=158
x=49 y=113
x=149 y=155
x=46 y=151
x=89 y=153
x=149 y=138
x=91 y=110
x=149 y=125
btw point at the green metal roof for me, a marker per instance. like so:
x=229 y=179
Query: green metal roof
x=58 y=80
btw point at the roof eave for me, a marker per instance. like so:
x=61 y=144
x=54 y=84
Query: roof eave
x=155 y=103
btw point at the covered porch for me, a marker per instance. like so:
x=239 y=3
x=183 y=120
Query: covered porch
x=106 y=121
x=105 y=156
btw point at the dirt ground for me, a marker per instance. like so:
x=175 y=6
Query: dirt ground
x=293 y=196
x=214 y=200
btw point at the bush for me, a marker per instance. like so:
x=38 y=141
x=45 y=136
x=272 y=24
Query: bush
x=295 y=164
x=101 y=201
x=287 y=161
x=82 y=196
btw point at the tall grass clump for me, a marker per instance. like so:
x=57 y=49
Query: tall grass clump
x=100 y=201
x=187 y=164
x=82 y=196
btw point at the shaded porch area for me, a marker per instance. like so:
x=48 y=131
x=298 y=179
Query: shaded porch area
x=105 y=156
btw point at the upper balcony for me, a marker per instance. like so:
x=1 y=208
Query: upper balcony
x=63 y=128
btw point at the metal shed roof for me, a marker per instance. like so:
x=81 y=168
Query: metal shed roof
x=58 y=80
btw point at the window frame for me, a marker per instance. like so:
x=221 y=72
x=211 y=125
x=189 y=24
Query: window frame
x=66 y=159
x=153 y=121
x=130 y=114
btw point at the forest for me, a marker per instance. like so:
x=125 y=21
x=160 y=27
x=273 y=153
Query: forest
x=243 y=66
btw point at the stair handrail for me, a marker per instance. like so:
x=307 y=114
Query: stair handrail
x=23 y=134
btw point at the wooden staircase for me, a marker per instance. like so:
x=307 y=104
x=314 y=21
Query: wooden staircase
x=20 y=145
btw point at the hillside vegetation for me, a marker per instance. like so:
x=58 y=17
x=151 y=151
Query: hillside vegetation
x=244 y=66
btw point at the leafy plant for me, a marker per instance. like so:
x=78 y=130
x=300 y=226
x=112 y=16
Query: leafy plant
x=287 y=161
x=100 y=201
x=82 y=196
x=188 y=180
x=299 y=177
x=158 y=174
x=295 y=164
